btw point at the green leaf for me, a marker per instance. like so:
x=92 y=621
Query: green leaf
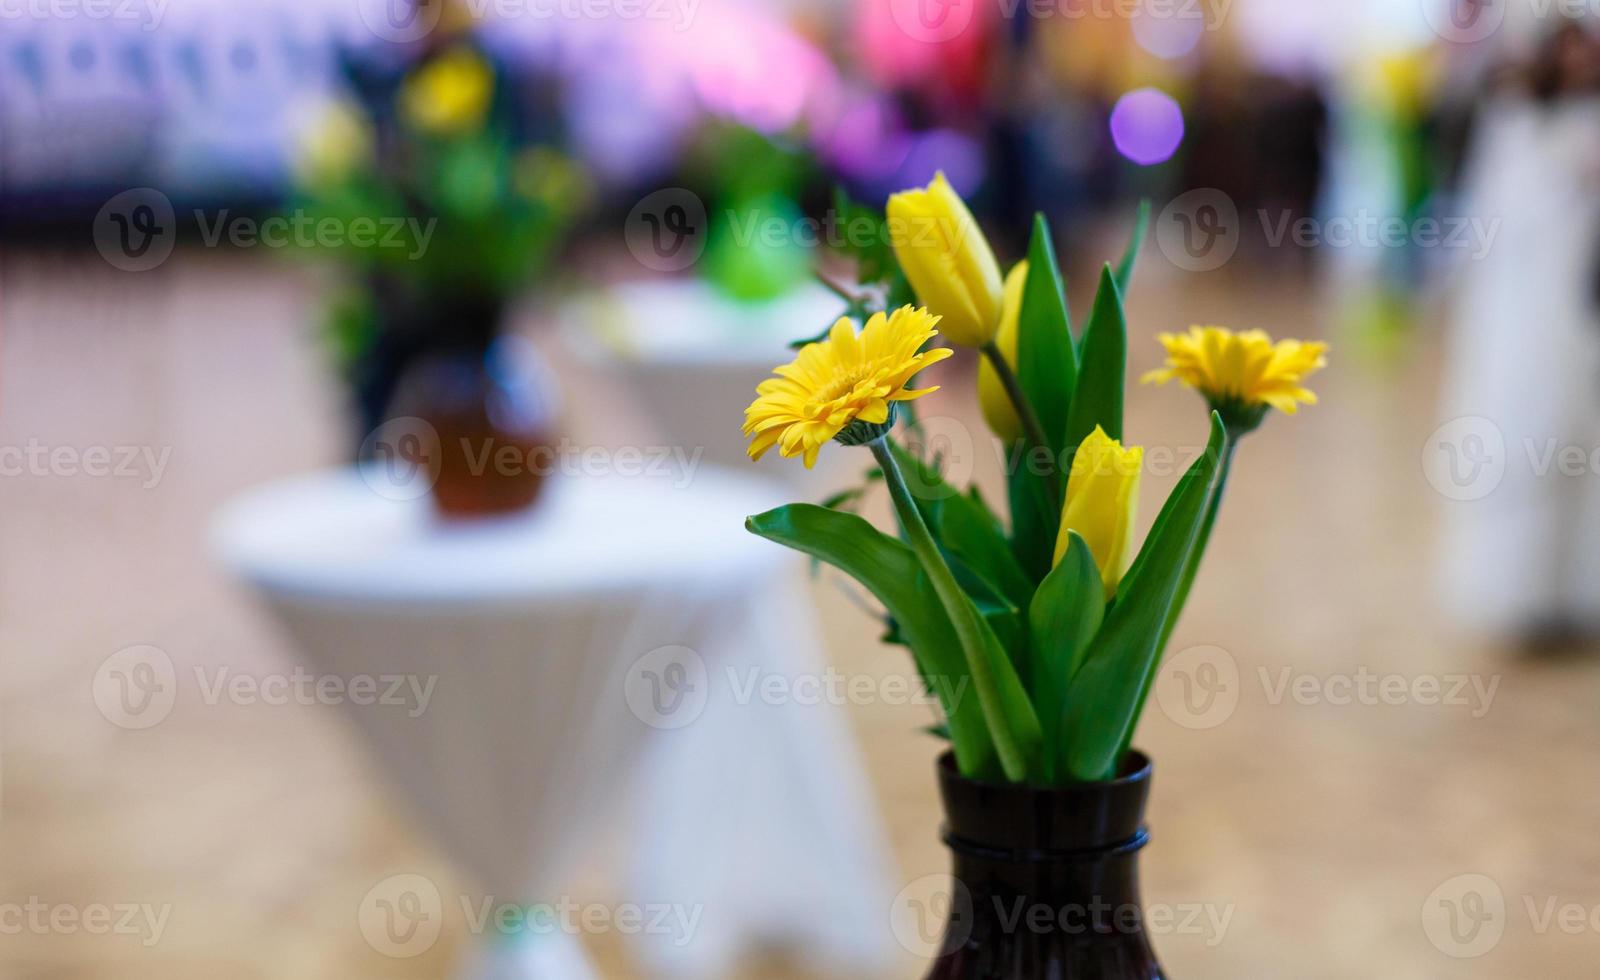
x=966 y=528
x=889 y=569
x=1047 y=369
x=873 y=257
x=1141 y=225
x=1098 y=398
x=1062 y=620
x=1108 y=694
x=1015 y=706
x=1047 y=364
x=967 y=532
x=1034 y=522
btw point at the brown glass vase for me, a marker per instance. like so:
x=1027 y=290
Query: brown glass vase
x=1046 y=879
x=488 y=414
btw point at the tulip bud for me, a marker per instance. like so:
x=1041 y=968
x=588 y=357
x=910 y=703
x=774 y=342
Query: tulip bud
x=947 y=260
x=998 y=410
x=1102 y=496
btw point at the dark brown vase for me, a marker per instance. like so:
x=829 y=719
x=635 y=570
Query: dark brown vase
x=1046 y=879
x=488 y=416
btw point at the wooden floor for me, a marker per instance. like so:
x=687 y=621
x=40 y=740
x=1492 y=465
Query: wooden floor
x=1326 y=835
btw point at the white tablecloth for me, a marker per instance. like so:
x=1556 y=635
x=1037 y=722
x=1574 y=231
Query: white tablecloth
x=562 y=645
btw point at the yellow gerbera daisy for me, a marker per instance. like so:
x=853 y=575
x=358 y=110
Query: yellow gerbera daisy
x=1241 y=374
x=844 y=380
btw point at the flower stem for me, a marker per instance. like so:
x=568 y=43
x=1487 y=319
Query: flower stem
x=1031 y=426
x=963 y=614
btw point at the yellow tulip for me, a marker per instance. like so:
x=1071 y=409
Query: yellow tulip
x=450 y=95
x=997 y=408
x=1102 y=496
x=947 y=260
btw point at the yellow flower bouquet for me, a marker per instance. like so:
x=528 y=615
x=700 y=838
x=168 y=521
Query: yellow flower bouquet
x=1057 y=619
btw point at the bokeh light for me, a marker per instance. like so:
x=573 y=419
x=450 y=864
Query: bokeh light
x=1147 y=126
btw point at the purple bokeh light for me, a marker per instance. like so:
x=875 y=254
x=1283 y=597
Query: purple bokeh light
x=1147 y=126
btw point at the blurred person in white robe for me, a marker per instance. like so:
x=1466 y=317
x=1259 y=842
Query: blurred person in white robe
x=1522 y=388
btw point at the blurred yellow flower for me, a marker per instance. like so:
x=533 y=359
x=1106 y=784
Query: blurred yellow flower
x=844 y=385
x=1241 y=372
x=1102 y=497
x=997 y=408
x=547 y=176
x=947 y=260
x=338 y=143
x=450 y=94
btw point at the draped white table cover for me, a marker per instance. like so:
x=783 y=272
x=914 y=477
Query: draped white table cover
x=532 y=628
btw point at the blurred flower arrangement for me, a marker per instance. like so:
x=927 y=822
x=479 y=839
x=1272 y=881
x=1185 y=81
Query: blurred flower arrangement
x=1057 y=622
x=458 y=164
